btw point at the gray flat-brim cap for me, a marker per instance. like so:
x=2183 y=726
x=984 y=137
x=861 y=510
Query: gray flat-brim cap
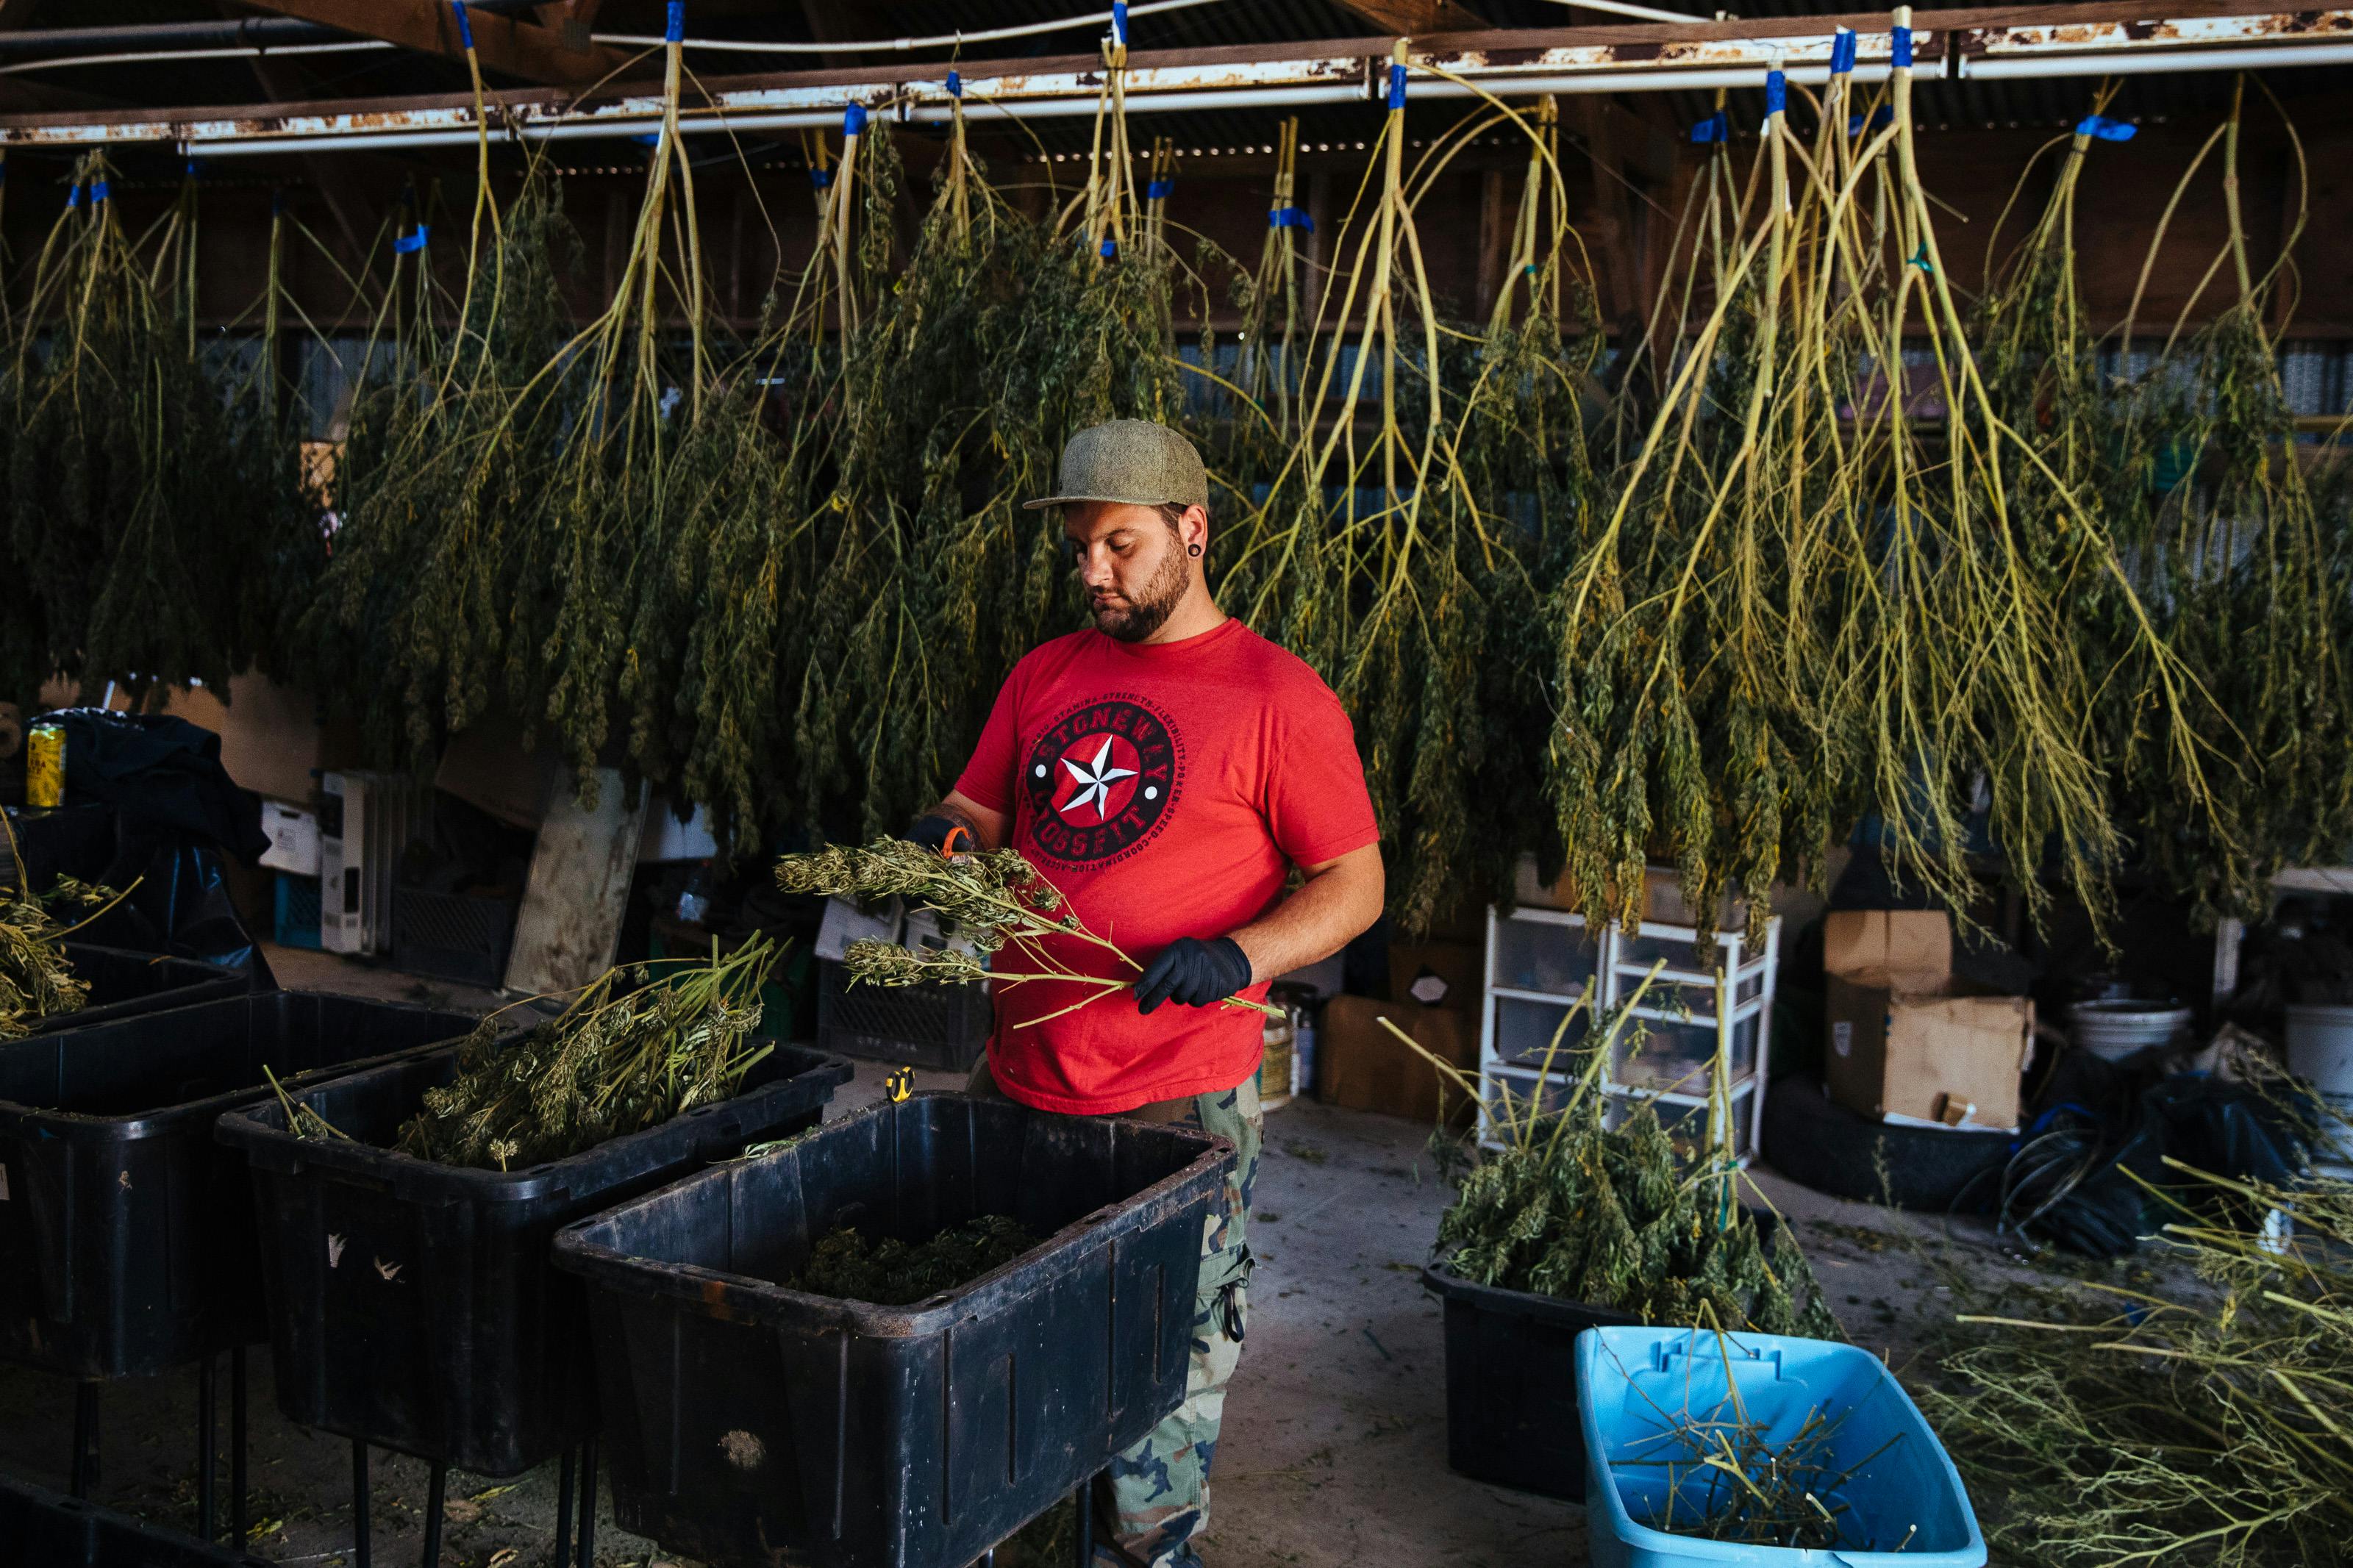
x=1135 y=461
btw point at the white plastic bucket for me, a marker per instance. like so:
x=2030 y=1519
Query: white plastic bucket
x=2321 y=1051
x=2115 y=1030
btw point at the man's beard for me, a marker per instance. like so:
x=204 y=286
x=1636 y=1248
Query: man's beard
x=1148 y=611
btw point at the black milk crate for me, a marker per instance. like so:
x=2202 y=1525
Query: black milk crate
x=452 y=936
x=943 y=1027
x=746 y=1422
x=40 y=1529
x=127 y=1234
x=412 y=1304
x=124 y=985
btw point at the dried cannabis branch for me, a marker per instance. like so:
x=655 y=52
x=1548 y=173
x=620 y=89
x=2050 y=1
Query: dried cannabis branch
x=631 y=1051
x=996 y=897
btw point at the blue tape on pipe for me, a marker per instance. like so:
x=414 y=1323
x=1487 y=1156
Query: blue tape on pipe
x=853 y=121
x=73 y=195
x=2105 y=129
x=1159 y=190
x=1110 y=250
x=1290 y=217
x=190 y=170
x=1777 y=93
x=1717 y=127
x=1119 y=22
x=1842 y=51
x=674 y=32
x=1880 y=118
x=956 y=85
x=1396 y=85
x=1903 y=58
x=98 y=192
x=409 y=243
x=821 y=178
x=465 y=27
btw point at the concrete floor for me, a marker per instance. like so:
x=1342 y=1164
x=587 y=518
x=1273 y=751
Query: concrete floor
x=1335 y=1444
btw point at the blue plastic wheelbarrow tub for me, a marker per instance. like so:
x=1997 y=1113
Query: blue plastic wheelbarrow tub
x=1637 y=1386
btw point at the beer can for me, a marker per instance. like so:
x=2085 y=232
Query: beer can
x=44 y=766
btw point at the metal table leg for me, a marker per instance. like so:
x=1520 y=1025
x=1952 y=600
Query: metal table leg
x=588 y=1504
x=85 y=1440
x=435 y=1494
x=207 y=1396
x=237 y=1520
x=564 y=1479
x=359 y=1558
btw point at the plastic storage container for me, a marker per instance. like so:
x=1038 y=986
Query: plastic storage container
x=1636 y=1387
x=746 y=1422
x=40 y=1529
x=127 y=1237
x=295 y=921
x=452 y=936
x=124 y=985
x=943 y=1027
x=2115 y=1030
x=412 y=1304
x=1511 y=1384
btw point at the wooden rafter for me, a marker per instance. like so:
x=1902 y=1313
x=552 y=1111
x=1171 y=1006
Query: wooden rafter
x=1414 y=17
x=516 y=49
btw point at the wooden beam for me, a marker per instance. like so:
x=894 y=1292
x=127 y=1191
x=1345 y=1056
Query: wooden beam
x=16 y=12
x=1414 y=17
x=515 y=48
x=569 y=20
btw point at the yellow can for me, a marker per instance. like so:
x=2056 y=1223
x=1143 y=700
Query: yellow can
x=44 y=766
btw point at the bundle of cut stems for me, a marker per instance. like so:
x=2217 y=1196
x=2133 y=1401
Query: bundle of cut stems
x=36 y=982
x=997 y=900
x=2108 y=1426
x=639 y=1046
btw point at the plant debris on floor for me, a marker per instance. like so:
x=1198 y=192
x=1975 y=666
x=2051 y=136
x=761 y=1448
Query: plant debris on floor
x=848 y=1264
x=2107 y=1424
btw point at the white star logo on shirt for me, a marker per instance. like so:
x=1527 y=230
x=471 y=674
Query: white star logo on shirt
x=1094 y=782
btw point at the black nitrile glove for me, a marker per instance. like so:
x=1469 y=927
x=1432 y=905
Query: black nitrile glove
x=1195 y=972
x=932 y=832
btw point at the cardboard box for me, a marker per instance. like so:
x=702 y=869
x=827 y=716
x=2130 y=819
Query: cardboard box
x=1454 y=970
x=271 y=740
x=1910 y=1040
x=485 y=767
x=1364 y=1066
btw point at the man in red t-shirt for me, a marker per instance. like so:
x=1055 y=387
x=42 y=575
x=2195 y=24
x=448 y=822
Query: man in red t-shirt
x=1167 y=769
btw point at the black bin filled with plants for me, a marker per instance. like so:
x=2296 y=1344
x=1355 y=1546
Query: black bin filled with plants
x=1573 y=1224
x=127 y=1240
x=891 y=1344
x=409 y=1210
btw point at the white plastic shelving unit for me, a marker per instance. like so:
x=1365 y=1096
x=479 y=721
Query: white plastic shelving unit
x=1540 y=961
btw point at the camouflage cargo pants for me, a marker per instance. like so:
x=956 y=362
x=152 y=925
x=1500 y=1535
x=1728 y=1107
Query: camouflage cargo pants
x=1160 y=1489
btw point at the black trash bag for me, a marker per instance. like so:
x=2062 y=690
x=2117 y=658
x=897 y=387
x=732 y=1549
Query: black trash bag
x=176 y=812
x=161 y=774
x=2100 y=1124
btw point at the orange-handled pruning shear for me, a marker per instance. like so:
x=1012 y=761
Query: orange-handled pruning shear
x=948 y=845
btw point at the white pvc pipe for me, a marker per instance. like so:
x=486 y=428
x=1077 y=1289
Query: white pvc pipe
x=2155 y=62
x=938 y=41
x=228 y=51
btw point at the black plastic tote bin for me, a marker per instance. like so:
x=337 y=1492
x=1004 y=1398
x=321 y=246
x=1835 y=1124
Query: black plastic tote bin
x=40 y=1528
x=1511 y=1384
x=750 y=1424
x=124 y=985
x=943 y=1027
x=412 y=1304
x=126 y=1233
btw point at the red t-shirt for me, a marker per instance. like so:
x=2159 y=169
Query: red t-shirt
x=1166 y=788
